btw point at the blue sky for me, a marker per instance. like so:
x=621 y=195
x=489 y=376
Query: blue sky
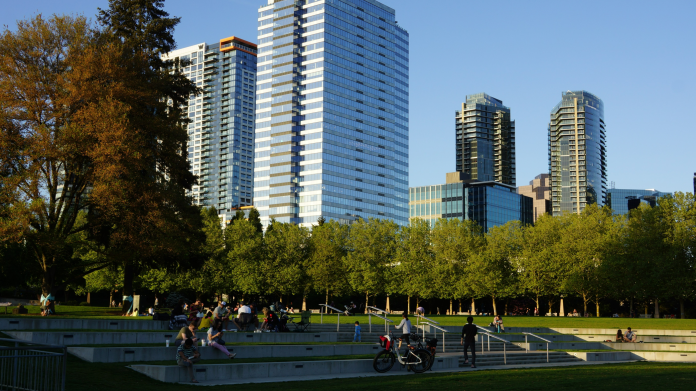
x=639 y=57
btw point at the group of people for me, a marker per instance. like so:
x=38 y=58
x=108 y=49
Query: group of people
x=630 y=336
x=187 y=351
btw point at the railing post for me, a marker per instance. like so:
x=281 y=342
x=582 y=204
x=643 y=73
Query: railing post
x=547 y=352
x=338 y=322
x=489 y=342
x=443 y=342
x=526 y=344
x=504 y=354
x=369 y=320
x=14 y=366
x=321 y=316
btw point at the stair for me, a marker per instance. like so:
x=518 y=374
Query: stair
x=492 y=359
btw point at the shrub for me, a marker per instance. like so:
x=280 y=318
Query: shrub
x=84 y=304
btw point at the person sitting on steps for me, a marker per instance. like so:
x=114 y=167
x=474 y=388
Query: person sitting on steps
x=630 y=336
x=186 y=355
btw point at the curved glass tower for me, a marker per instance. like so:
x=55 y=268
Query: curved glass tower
x=577 y=153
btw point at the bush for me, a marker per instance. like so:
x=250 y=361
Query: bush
x=69 y=302
x=85 y=304
x=173 y=298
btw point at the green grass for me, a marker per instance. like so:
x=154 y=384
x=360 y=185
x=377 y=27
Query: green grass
x=89 y=312
x=145 y=345
x=640 y=376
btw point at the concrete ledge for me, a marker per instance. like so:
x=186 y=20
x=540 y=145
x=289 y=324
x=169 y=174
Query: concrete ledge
x=603 y=356
x=226 y=372
x=137 y=354
x=575 y=331
x=77 y=324
x=665 y=356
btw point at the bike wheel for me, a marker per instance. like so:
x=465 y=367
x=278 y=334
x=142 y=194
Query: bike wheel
x=383 y=362
x=419 y=360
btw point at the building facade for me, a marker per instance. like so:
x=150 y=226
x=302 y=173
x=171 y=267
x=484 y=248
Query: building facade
x=577 y=153
x=623 y=200
x=221 y=134
x=485 y=140
x=539 y=190
x=488 y=203
x=332 y=112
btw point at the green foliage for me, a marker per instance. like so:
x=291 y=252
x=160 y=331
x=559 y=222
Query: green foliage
x=287 y=248
x=244 y=257
x=255 y=220
x=325 y=267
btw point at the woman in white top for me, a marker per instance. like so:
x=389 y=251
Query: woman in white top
x=405 y=327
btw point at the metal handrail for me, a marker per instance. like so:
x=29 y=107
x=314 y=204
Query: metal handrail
x=526 y=344
x=438 y=328
x=500 y=339
x=378 y=309
x=15 y=362
x=338 y=315
x=369 y=319
x=428 y=319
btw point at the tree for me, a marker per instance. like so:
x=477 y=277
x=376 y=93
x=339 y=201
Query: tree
x=455 y=244
x=255 y=219
x=151 y=213
x=287 y=249
x=492 y=272
x=244 y=257
x=585 y=244
x=415 y=262
x=371 y=254
x=325 y=267
x=541 y=269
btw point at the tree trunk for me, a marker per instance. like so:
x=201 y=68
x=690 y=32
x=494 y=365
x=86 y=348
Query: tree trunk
x=367 y=300
x=657 y=309
x=681 y=308
x=89 y=298
x=128 y=276
x=304 y=302
x=47 y=282
x=450 y=311
x=538 y=309
x=327 y=297
x=460 y=306
x=417 y=303
x=506 y=306
x=408 y=304
x=473 y=307
x=388 y=307
x=561 y=311
x=646 y=309
x=597 y=305
x=584 y=304
x=550 y=307
x=495 y=310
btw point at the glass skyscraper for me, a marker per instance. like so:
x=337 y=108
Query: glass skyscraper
x=221 y=134
x=577 y=153
x=622 y=200
x=488 y=203
x=485 y=140
x=331 y=112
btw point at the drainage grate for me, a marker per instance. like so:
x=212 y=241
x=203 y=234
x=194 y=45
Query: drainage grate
x=310 y=348
x=317 y=336
x=14 y=322
x=67 y=336
x=199 y=370
x=167 y=336
x=250 y=336
x=113 y=324
x=129 y=351
x=299 y=366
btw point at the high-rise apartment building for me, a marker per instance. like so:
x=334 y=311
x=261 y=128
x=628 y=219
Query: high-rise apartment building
x=331 y=112
x=485 y=140
x=622 y=200
x=539 y=190
x=221 y=136
x=577 y=153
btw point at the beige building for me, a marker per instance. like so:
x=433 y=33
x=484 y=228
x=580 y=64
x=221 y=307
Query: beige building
x=540 y=191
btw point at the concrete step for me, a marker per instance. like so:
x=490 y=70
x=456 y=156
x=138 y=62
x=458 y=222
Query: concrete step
x=221 y=373
x=138 y=354
x=521 y=358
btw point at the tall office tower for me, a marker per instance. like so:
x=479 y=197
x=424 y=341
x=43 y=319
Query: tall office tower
x=331 y=112
x=485 y=140
x=539 y=190
x=221 y=136
x=577 y=153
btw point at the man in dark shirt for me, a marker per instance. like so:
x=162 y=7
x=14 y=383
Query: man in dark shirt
x=469 y=339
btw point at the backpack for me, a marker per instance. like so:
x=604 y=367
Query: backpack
x=385 y=342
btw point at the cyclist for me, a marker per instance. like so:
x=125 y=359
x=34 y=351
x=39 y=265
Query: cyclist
x=405 y=326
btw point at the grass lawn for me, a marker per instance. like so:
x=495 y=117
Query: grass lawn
x=80 y=312
x=640 y=376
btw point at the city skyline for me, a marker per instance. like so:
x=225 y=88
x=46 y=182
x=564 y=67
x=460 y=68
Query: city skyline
x=635 y=55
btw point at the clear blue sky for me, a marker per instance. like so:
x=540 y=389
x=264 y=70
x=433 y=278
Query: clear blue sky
x=639 y=57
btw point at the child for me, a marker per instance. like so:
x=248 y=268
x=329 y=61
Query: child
x=356 y=338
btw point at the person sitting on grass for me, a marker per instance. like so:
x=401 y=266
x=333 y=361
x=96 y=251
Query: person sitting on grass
x=186 y=355
x=215 y=340
x=48 y=308
x=498 y=324
x=188 y=332
x=630 y=336
x=619 y=336
x=206 y=321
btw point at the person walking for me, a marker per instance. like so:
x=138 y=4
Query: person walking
x=405 y=327
x=469 y=332
x=356 y=337
x=186 y=355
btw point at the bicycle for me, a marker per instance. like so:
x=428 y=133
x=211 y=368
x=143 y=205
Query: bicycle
x=417 y=360
x=430 y=346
